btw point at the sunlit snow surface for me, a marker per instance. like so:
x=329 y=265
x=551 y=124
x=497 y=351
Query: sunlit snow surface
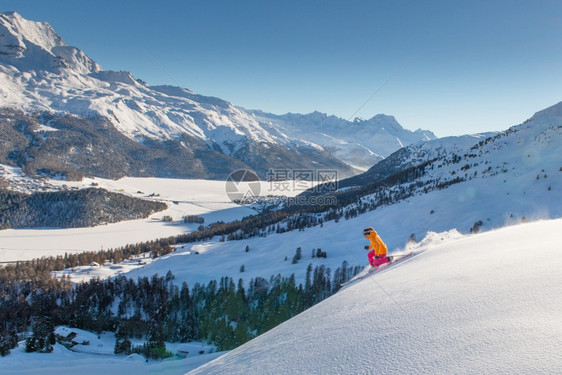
x=487 y=303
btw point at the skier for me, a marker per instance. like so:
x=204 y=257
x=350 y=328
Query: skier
x=378 y=253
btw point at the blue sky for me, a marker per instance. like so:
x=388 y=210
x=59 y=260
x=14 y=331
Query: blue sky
x=463 y=66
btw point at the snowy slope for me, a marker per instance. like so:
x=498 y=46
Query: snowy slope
x=39 y=72
x=488 y=303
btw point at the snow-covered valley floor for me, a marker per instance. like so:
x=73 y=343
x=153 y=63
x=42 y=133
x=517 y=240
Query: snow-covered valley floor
x=205 y=198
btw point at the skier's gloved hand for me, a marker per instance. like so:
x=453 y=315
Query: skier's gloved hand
x=366 y=247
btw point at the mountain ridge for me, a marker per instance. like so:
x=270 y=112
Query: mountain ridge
x=40 y=73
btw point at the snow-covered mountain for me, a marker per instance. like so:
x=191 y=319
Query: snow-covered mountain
x=26 y=45
x=48 y=80
x=361 y=143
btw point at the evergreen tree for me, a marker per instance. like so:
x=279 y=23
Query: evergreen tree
x=297 y=256
x=122 y=342
x=8 y=340
x=43 y=337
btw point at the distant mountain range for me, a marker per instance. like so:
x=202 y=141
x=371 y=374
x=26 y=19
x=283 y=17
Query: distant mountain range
x=63 y=114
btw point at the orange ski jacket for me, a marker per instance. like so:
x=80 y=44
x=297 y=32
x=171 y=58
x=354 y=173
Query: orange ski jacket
x=377 y=244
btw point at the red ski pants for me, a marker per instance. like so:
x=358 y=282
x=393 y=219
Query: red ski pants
x=375 y=262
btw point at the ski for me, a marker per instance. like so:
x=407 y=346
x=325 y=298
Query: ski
x=370 y=270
